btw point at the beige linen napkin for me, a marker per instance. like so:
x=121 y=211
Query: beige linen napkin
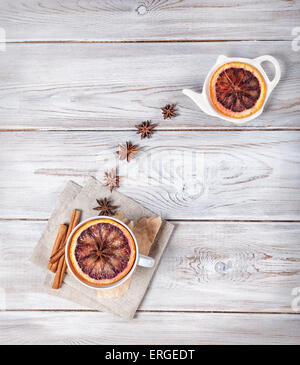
x=75 y=197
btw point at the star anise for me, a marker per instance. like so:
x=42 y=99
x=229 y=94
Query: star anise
x=111 y=180
x=104 y=207
x=169 y=111
x=145 y=129
x=128 y=151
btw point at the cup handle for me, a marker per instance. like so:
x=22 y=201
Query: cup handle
x=145 y=261
x=276 y=65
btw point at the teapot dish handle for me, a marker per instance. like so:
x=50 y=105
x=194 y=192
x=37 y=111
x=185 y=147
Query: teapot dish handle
x=275 y=63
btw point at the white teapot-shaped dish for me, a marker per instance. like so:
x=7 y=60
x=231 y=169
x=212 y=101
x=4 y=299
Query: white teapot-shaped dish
x=204 y=102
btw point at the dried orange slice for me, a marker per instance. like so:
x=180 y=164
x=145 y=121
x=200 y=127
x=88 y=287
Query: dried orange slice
x=237 y=90
x=101 y=252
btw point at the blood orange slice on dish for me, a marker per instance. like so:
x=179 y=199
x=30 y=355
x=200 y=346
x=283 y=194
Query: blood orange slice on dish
x=237 y=90
x=102 y=252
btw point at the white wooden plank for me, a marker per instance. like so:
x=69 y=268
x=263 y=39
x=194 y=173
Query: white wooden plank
x=116 y=86
x=109 y=20
x=187 y=175
x=238 y=267
x=207 y=266
x=148 y=328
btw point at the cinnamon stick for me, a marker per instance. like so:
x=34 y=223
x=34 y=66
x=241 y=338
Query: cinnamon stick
x=64 y=267
x=62 y=244
x=56 y=255
x=54 y=258
x=61 y=263
x=61 y=236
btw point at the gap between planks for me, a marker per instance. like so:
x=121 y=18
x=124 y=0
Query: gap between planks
x=146 y=41
x=146 y=311
x=233 y=129
x=179 y=220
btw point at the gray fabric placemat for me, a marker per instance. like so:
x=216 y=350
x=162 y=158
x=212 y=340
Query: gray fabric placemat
x=76 y=197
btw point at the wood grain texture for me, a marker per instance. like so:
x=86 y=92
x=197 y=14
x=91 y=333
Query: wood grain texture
x=113 y=20
x=207 y=266
x=148 y=328
x=116 y=86
x=192 y=175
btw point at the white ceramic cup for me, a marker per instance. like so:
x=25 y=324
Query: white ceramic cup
x=204 y=102
x=140 y=260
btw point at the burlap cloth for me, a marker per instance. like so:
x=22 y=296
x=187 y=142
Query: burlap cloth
x=151 y=232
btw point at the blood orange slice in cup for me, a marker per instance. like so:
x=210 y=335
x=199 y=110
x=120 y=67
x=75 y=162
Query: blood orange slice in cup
x=101 y=252
x=237 y=90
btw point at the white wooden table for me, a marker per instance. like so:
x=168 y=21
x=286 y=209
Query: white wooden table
x=76 y=76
